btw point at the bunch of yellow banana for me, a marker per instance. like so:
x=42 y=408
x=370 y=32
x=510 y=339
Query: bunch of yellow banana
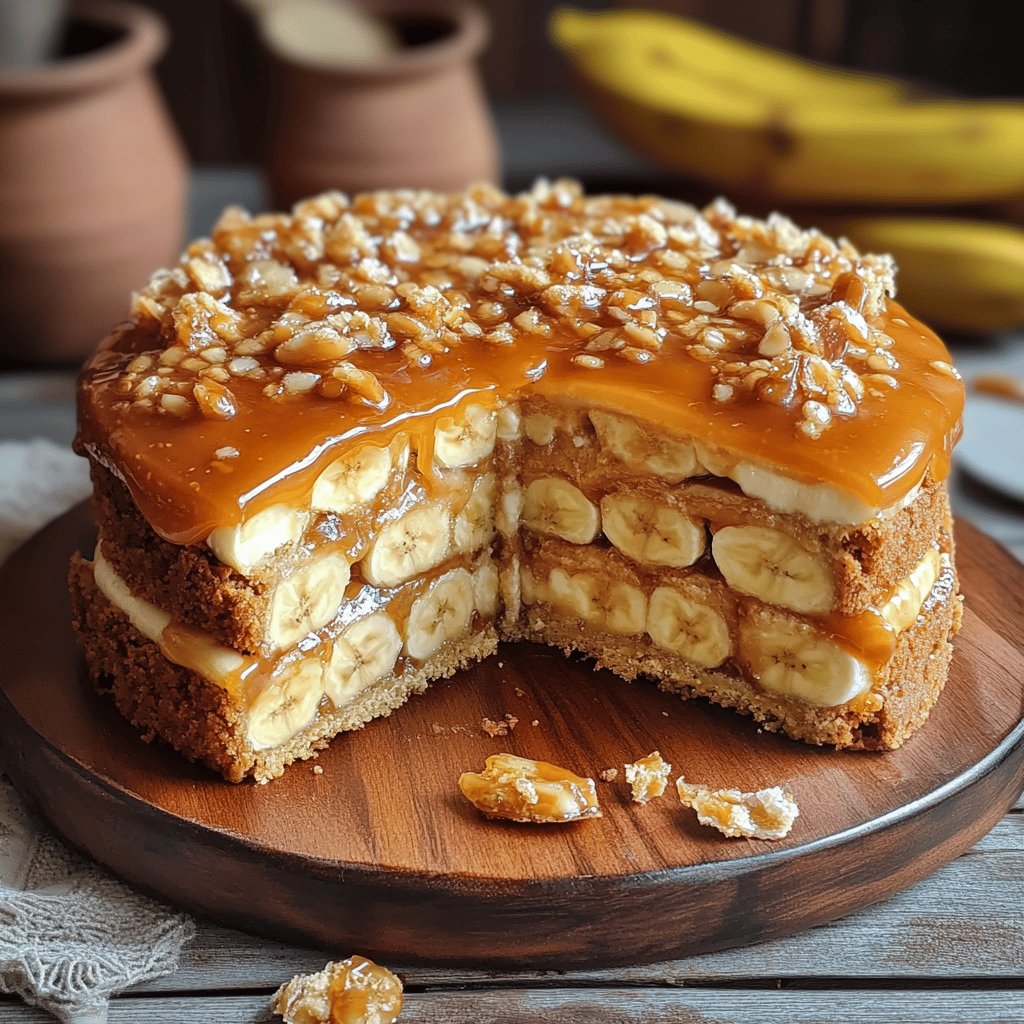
x=750 y=119
x=754 y=121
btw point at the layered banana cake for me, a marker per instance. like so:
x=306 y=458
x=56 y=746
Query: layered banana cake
x=343 y=452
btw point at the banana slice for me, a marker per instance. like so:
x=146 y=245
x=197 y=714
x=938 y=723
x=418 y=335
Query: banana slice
x=687 y=627
x=508 y=423
x=417 y=541
x=651 y=531
x=666 y=457
x=511 y=586
x=822 y=503
x=443 y=613
x=287 y=705
x=485 y=590
x=540 y=428
x=574 y=594
x=771 y=565
x=616 y=607
x=509 y=510
x=624 y=609
x=466 y=441
x=794 y=659
x=244 y=546
x=307 y=600
x=474 y=525
x=363 y=653
x=557 y=508
x=352 y=480
x=904 y=604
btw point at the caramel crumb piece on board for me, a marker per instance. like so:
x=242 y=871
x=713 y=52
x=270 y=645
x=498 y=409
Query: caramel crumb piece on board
x=648 y=776
x=502 y=727
x=518 y=789
x=766 y=814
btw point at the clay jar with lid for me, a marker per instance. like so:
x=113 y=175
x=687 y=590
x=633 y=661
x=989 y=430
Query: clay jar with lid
x=94 y=181
x=416 y=118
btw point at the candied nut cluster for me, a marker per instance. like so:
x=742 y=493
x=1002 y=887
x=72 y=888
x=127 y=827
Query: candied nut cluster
x=648 y=777
x=352 y=991
x=766 y=814
x=518 y=789
x=292 y=304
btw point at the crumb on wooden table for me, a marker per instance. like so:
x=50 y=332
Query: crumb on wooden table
x=352 y=991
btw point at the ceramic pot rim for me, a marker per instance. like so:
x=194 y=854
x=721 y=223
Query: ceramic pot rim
x=470 y=33
x=144 y=40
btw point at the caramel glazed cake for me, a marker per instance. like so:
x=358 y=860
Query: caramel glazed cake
x=341 y=453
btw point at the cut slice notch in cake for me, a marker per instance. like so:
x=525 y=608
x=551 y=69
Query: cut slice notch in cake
x=341 y=453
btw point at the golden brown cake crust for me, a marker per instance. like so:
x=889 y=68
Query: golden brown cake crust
x=186 y=581
x=158 y=697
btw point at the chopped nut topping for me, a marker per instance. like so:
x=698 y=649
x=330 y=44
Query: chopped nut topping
x=648 y=777
x=352 y=991
x=766 y=814
x=782 y=315
x=518 y=789
x=609 y=774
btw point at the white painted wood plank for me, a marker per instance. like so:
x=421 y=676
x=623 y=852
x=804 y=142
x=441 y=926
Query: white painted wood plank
x=603 y=1006
x=965 y=921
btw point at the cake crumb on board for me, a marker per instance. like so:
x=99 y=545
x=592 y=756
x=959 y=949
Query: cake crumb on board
x=501 y=727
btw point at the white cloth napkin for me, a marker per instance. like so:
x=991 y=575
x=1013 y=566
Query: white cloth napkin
x=71 y=936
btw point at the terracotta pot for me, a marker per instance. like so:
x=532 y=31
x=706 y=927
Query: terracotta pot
x=93 y=184
x=417 y=119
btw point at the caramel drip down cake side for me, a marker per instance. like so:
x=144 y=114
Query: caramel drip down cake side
x=340 y=453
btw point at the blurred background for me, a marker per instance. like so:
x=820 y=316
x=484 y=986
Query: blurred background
x=216 y=75
x=126 y=127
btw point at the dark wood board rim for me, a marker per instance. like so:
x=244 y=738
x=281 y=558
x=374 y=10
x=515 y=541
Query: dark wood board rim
x=709 y=871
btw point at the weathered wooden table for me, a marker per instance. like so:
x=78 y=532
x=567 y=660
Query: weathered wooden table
x=949 y=949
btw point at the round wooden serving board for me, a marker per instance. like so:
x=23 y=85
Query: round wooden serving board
x=380 y=855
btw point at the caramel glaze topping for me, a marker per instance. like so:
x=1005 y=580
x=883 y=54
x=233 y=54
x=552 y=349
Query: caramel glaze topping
x=283 y=338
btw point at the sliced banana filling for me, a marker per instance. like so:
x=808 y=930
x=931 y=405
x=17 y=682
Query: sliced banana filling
x=784 y=654
x=286 y=695
x=551 y=506
x=214 y=661
x=673 y=459
x=245 y=546
x=774 y=567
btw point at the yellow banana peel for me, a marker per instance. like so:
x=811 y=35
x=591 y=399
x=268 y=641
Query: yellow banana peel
x=959 y=274
x=749 y=119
